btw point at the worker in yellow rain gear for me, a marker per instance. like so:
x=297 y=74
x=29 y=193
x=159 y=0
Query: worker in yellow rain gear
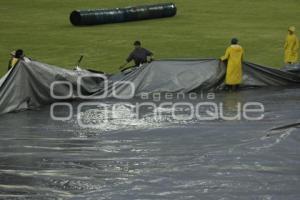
x=234 y=56
x=15 y=57
x=291 y=46
x=13 y=60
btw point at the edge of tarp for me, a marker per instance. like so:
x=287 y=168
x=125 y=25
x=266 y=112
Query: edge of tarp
x=8 y=74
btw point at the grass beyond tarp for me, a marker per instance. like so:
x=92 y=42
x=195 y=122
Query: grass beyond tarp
x=201 y=29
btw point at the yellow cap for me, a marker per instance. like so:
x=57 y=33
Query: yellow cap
x=292 y=28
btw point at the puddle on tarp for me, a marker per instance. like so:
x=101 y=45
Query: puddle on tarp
x=154 y=158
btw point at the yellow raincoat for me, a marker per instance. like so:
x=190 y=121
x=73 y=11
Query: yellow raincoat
x=12 y=63
x=234 y=55
x=291 y=48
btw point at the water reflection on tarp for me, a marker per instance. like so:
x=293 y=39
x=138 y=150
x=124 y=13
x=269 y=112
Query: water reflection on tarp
x=155 y=159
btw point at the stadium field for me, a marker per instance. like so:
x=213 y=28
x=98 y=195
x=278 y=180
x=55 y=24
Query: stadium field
x=201 y=29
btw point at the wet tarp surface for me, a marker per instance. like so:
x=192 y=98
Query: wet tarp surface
x=28 y=84
x=149 y=158
x=130 y=155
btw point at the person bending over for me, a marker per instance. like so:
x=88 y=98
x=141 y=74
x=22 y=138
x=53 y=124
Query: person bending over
x=139 y=55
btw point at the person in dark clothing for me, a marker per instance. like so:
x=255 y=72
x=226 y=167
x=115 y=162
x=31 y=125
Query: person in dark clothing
x=139 y=55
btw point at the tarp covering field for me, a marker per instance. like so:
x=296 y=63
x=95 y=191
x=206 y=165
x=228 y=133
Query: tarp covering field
x=168 y=130
x=130 y=155
x=28 y=85
x=166 y=159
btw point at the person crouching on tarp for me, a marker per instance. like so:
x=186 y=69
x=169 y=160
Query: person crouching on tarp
x=15 y=57
x=139 y=55
x=291 y=47
x=234 y=56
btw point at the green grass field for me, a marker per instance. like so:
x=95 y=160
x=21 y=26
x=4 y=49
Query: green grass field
x=201 y=29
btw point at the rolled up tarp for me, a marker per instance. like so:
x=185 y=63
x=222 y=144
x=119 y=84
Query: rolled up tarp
x=117 y=15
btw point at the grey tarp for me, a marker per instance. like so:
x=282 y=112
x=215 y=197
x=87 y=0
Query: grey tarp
x=28 y=84
x=196 y=75
x=162 y=157
x=295 y=68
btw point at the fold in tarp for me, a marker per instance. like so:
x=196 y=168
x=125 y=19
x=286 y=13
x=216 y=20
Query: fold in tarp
x=195 y=75
x=28 y=85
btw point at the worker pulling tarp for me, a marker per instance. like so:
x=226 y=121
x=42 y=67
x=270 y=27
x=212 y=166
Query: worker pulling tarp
x=28 y=85
x=195 y=75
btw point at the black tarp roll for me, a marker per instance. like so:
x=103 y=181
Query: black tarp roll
x=117 y=15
